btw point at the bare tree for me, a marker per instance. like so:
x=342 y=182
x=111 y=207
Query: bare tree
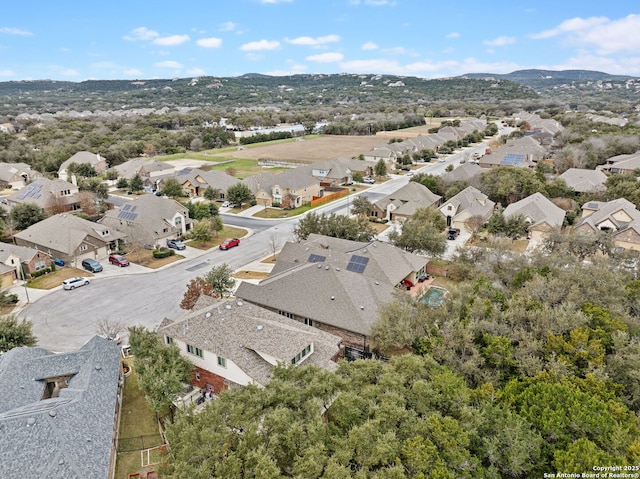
x=111 y=328
x=55 y=205
x=473 y=225
x=275 y=245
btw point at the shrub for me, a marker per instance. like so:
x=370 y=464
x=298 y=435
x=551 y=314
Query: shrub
x=36 y=274
x=163 y=253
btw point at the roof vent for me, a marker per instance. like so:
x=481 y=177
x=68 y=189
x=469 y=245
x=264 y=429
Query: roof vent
x=227 y=306
x=260 y=327
x=53 y=413
x=326 y=267
x=61 y=462
x=332 y=298
x=319 y=265
x=207 y=314
x=98 y=367
x=337 y=269
x=31 y=421
x=361 y=307
x=239 y=303
x=377 y=283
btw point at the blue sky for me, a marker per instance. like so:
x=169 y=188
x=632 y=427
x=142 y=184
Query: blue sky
x=140 y=39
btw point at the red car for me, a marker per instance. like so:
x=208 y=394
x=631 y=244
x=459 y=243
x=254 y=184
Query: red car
x=230 y=243
x=406 y=283
x=118 y=260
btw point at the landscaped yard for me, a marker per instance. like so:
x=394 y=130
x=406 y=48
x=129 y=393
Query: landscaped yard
x=227 y=232
x=51 y=280
x=250 y=274
x=144 y=257
x=280 y=213
x=138 y=428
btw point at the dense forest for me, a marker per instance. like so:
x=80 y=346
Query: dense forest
x=531 y=367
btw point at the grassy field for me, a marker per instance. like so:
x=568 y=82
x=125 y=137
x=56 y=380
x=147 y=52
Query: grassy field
x=138 y=426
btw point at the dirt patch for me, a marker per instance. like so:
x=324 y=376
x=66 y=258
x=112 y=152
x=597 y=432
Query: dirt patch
x=250 y=274
x=316 y=149
x=145 y=258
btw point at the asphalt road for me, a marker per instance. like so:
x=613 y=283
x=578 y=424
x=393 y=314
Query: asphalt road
x=65 y=320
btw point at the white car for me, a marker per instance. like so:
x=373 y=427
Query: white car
x=73 y=283
x=368 y=180
x=226 y=204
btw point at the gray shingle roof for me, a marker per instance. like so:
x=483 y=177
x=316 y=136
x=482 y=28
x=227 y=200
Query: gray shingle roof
x=216 y=179
x=42 y=190
x=25 y=254
x=65 y=437
x=472 y=201
x=584 y=181
x=464 y=172
x=607 y=211
x=83 y=157
x=417 y=195
x=537 y=209
x=66 y=232
x=327 y=291
x=245 y=334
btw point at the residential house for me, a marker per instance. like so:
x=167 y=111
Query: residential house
x=98 y=162
x=468 y=203
x=290 y=188
x=55 y=196
x=131 y=168
x=619 y=216
x=402 y=203
x=339 y=171
x=16 y=175
x=584 y=181
x=622 y=164
x=149 y=220
x=335 y=285
x=70 y=238
x=153 y=173
x=537 y=123
x=236 y=343
x=59 y=413
x=13 y=256
x=196 y=181
x=466 y=173
x=522 y=152
x=389 y=156
x=542 y=215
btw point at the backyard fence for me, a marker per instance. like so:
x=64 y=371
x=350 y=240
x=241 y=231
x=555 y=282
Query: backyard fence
x=319 y=200
x=138 y=443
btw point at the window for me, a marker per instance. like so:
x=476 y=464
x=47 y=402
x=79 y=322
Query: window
x=105 y=232
x=222 y=362
x=40 y=265
x=83 y=247
x=168 y=339
x=199 y=352
x=191 y=349
x=197 y=375
x=449 y=207
x=286 y=314
x=308 y=322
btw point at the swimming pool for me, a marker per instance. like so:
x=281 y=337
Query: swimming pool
x=434 y=296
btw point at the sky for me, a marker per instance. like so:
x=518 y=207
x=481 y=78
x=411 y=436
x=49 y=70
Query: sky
x=140 y=39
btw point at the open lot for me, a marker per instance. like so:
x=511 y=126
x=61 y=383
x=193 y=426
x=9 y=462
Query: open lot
x=322 y=148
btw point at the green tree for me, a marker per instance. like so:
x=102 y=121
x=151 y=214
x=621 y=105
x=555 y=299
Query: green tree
x=15 y=333
x=216 y=225
x=357 y=176
x=239 y=194
x=422 y=233
x=337 y=226
x=221 y=280
x=172 y=188
x=380 y=168
x=135 y=183
x=201 y=231
x=26 y=214
x=361 y=206
x=211 y=193
x=201 y=211
x=507 y=185
x=84 y=170
x=161 y=369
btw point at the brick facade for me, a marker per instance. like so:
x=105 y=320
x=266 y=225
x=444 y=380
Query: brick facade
x=208 y=378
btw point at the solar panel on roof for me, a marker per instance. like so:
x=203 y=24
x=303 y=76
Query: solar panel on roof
x=316 y=258
x=357 y=264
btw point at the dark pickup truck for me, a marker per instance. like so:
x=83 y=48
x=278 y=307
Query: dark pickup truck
x=453 y=233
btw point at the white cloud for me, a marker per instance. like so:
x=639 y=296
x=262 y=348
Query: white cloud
x=452 y=35
x=294 y=68
x=228 y=27
x=375 y=3
x=331 y=57
x=210 y=42
x=196 y=72
x=500 y=41
x=600 y=33
x=132 y=72
x=275 y=1
x=260 y=45
x=313 y=42
x=369 y=46
x=371 y=66
x=627 y=65
x=7 y=73
x=168 y=64
x=171 y=40
x=15 y=31
x=141 y=33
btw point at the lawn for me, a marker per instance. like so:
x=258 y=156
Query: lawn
x=250 y=274
x=280 y=213
x=144 y=257
x=51 y=280
x=243 y=166
x=138 y=427
x=227 y=232
x=379 y=227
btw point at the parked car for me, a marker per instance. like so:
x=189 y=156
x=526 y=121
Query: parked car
x=58 y=262
x=118 y=260
x=423 y=277
x=226 y=204
x=91 y=265
x=175 y=244
x=73 y=283
x=229 y=243
x=406 y=283
x=368 y=180
x=410 y=173
x=453 y=233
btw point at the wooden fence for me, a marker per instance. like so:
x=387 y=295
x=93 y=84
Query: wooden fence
x=320 y=200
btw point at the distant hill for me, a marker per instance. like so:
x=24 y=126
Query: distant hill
x=524 y=76
x=304 y=91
